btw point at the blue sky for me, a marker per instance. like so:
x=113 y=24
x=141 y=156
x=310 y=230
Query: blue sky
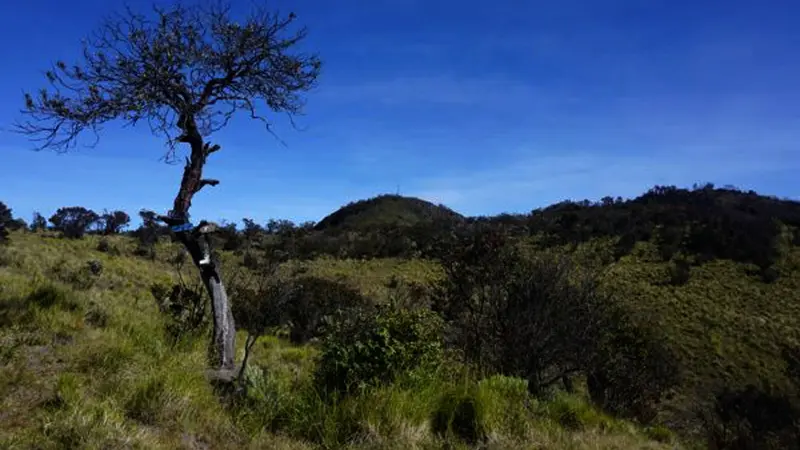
x=487 y=107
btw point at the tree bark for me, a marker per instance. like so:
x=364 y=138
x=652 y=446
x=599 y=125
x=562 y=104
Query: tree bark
x=223 y=344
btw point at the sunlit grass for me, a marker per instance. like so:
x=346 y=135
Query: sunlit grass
x=85 y=363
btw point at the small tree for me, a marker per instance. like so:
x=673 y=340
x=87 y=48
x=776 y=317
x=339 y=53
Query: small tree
x=115 y=221
x=147 y=234
x=186 y=71
x=73 y=221
x=39 y=223
x=5 y=220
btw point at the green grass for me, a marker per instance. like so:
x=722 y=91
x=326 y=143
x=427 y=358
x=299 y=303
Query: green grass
x=85 y=363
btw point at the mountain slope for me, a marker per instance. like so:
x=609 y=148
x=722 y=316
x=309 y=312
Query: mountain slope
x=385 y=211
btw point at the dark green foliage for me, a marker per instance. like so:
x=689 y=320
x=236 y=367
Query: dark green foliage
x=5 y=220
x=373 y=347
x=632 y=368
x=227 y=237
x=706 y=222
x=311 y=299
x=17 y=224
x=680 y=271
x=458 y=415
x=261 y=303
x=39 y=223
x=49 y=296
x=73 y=221
x=518 y=316
x=105 y=246
x=394 y=210
x=148 y=234
x=97 y=316
x=95 y=267
x=113 y=222
x=543 y=319
x=185 y=309
x=753 y=418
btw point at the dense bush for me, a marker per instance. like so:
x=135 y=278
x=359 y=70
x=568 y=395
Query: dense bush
x=39 y=223
x=311 y=299
x=5 y=220
x=185 y=309
x=113 y=222
x=536 y=319
x=373 y=347
x=148 y=234
x=632 y=369
x=753 y=418
x=74 y=221
x=545 y=320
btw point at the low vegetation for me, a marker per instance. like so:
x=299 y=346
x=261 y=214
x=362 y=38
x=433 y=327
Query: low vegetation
x=502 y=337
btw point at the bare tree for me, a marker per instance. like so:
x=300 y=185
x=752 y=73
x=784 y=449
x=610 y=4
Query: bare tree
x=185 y=71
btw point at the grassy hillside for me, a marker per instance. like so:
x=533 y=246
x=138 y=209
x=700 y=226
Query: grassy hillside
x=86 y=363
x=691 y=330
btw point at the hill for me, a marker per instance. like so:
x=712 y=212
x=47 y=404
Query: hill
x=385 y=211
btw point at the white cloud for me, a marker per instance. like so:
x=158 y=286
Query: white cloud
x=537 y=181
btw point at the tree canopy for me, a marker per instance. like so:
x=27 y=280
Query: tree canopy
x=183 y=70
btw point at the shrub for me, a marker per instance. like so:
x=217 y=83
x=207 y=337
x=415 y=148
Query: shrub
x=184 y=306
x=95 y=267
x=535 y=318
x=633 y=368
x=311 y=300
x=374 y=347
x=73 y=221
x=105 y=246
x=5 y=221
x=755 y=417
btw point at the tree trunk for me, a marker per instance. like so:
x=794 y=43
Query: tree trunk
x=223 y=344
x=224 y=339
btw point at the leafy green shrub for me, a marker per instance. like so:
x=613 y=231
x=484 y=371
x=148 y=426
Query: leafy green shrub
x=311 y=300
x=633 y=369
x=184 y=306
x=535 y=317
x=375 y=347
x=756 y=417
x=5 y=222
